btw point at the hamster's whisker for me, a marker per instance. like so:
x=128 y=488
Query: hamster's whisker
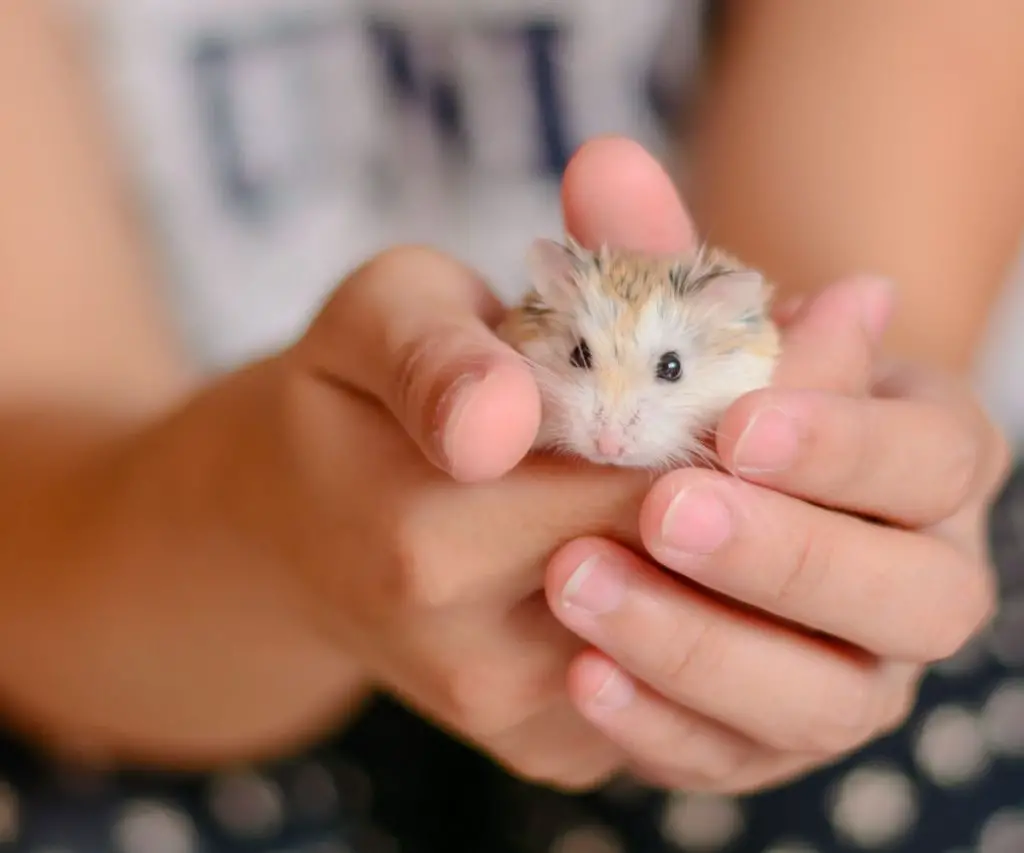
x=546 y=374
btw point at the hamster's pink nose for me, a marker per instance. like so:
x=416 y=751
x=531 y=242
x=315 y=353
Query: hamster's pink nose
x=609 y=443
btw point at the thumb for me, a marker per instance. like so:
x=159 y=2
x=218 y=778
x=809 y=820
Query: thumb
x=830 y=341
x=412 y=329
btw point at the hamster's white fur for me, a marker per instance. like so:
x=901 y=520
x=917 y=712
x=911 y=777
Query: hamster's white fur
x=596 y=326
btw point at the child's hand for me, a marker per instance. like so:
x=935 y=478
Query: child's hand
x=838 y=613
x=734 y=701
x=436 y=586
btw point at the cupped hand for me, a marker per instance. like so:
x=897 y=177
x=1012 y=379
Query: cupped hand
x=403 y=411
x=810 y=583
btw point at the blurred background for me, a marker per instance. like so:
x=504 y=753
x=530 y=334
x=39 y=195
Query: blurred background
x=271 y=145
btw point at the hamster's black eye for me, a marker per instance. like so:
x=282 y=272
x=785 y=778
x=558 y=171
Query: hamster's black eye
x=670 y=367
x=580 y=356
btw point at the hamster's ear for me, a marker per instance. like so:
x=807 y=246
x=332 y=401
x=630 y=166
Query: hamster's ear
x=741 y=296
x=554 y=270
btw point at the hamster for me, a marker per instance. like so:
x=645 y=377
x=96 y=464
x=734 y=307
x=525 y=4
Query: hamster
x=637 y=356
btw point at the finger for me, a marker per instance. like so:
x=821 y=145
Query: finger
x=412 y=328
x=766 y=768
x=829 y=342
x=906 y=461
x=892 y=592
x=783 y=313
x=558 y=747
x=904 y=380
x=615 y=192
x=698 y=653
x=652 y=730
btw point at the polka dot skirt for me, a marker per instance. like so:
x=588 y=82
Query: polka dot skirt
x=950 y=781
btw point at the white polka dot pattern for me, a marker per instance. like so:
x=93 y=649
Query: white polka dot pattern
x=153 y=827
x=247 y=804
x=314 y=793
x=1003 y=833
x=951 y=747
x=701 y=822
x=588 y=839
x=1003 y=718
x=873 y=806
x=10 y=814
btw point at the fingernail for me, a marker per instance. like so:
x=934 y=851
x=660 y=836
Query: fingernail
x=876 y=308
x=595 y=587
x=696 y=522
x=449 y=411
x=616 y=692
x=768 y=444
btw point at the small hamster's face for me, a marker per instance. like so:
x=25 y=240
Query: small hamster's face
x=635 y=360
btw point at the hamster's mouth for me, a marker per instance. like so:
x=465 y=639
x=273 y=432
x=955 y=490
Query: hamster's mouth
x=623 y=460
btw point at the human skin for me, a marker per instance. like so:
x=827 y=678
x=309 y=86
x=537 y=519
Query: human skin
x=834 y=139
x=844 y=426
x=205 y=570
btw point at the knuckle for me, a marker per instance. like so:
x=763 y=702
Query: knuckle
x=541 y=769
x=713 y=755
x=422 y=584
x=807 y=571
x=408 y=390
x=487 y=701
x=569 y=777
x=743 y=781
x=545 y=767
x=687 y=652
x=844 y=719
x=772 y=773
x=472 y=706
x=391 y=268
x=727 y=766
x=427 y=580
x=846 y=460
x=834 y=737
x=959 y=475
x=363 y=287
x=972 y=609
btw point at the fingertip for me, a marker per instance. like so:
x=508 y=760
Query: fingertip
x=660 y=497
x=735 y=421
x=869 y=298
x=588 y=676
x=564 y=562
x=832 y=341
x=615 y=192
x=492 y=424
x=877 y=301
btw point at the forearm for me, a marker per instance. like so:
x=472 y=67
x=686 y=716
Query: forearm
x=878 y=137
x=143 y=616
x=80 y=313
x=139 y=618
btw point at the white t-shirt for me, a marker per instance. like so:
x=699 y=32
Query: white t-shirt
x=280 y=142
x=277 y=143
